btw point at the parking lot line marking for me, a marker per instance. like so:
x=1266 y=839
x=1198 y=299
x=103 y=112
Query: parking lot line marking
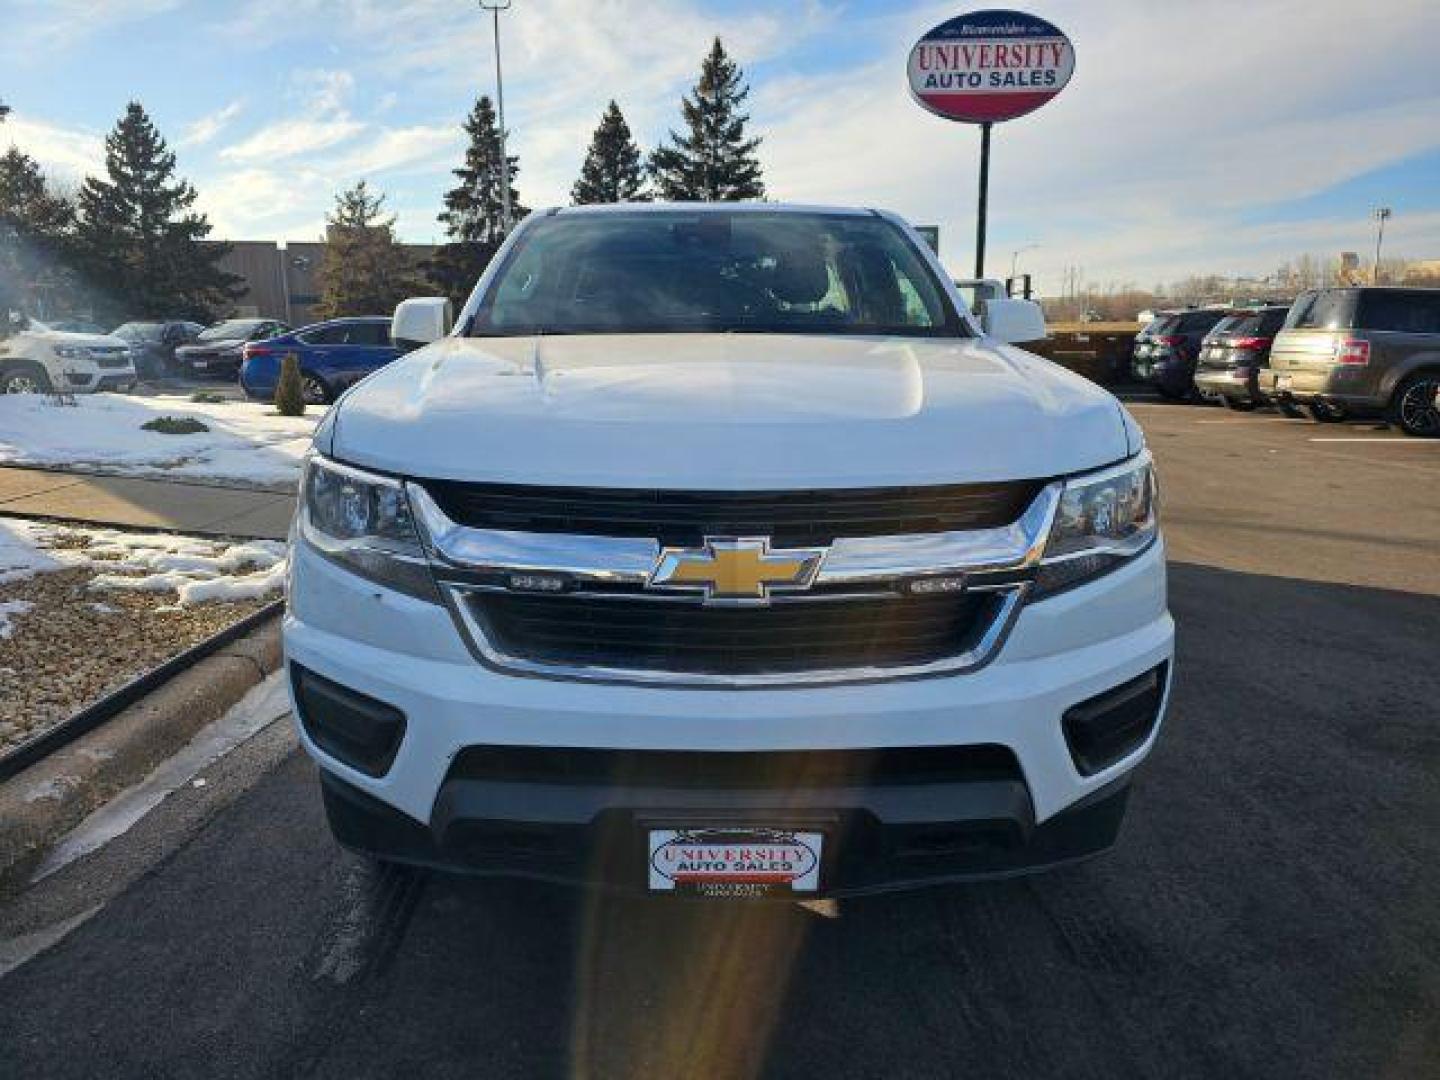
x=1398 y=440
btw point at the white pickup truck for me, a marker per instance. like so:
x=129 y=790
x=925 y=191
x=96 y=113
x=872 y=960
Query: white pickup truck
x=37 y=359
x=719 y=550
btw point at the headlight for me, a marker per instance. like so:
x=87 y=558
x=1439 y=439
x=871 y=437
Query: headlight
x=71 y=352
x=362 y=522
x=1104 y=519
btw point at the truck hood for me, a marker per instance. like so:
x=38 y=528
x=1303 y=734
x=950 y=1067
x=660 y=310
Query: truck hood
x=65 y=337
x=725 y=411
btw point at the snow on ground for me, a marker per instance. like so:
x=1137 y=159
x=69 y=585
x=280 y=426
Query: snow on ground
x=196 y=570
x=247 y=441
x=21 y=552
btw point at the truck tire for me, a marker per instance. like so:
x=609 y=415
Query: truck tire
x=24 y=378
x=1415 y=407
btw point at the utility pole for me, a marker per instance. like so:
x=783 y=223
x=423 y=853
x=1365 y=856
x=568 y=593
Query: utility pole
x=495 y=7
x=1015 y=255
x=1382 y=215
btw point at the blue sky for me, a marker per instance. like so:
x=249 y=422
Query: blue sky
x=1220 y=137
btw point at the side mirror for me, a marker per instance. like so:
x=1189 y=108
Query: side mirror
x=420 y=320
x=1013 y=321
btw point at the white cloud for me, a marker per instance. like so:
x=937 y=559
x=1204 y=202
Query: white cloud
x=291 y=138
x=398 y=148
x=35 y=30
x=67 y=153
x=201 y=131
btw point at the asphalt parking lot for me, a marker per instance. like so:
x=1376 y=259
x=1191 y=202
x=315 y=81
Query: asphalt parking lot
x=1270 y=911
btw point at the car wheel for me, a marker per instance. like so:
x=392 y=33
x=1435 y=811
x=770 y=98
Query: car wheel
x=1415 y=408
x=314 y=390
x=1238 y=404
x=25 y=379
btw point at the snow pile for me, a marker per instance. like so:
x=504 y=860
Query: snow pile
x=8 y=608
x=246 y=442
x=22 y=554
x=197 y=571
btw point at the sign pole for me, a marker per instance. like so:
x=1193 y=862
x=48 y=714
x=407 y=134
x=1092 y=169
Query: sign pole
x=985 y=67
x=983 y=205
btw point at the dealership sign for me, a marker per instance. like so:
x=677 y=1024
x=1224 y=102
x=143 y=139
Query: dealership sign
x=990 y=66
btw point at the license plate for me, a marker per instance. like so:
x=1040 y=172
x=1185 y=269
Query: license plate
x=200 y=363
x=735 y=863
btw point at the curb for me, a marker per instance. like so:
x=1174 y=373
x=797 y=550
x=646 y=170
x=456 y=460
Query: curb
x=52 y=796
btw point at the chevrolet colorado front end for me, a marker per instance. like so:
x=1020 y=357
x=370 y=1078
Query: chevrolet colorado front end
x=717 y=550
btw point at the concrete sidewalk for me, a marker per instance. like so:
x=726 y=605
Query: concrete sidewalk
x=145 y=503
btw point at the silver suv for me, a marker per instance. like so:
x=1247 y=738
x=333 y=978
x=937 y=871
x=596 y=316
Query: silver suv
x=1361 y=351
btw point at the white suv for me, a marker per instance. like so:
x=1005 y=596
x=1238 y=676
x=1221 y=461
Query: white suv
x=38 y=359
x=717 y=550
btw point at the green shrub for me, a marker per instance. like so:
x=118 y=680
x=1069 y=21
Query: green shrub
x=175 y=425
x=205 y=397
x=289 y=394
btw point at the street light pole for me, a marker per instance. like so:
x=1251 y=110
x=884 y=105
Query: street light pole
x=1382 y=214
x=495 y=7
x=1015 y=256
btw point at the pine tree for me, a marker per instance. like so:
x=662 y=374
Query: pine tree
x=474 y=208
x=36 y=236
x=365 y=271
x=612 y=171
x=714 y=161
x=139 y=238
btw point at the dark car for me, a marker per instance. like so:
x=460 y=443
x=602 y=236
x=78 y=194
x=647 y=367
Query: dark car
x=218 y=349
x=153 y=344
x=1166 y=350
x=1366 y=351
x=332 y=356
x=1233 y=353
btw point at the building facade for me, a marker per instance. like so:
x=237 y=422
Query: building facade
x=282 y=282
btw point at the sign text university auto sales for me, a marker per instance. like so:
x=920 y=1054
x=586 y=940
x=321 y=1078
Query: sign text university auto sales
x=990 y=66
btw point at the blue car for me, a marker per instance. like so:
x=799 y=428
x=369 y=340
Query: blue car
x=332 y=355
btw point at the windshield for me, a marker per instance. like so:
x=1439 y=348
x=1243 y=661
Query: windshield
x=683 y=272
x=137 y=331
x=230 y=329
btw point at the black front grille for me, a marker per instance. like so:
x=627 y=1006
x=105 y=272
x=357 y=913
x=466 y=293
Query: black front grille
x=789 y=518
x=644 y=634
x=788 y=769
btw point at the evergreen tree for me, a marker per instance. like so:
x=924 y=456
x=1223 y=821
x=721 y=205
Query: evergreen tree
x=474 y=208
x=365 y=271
x=612 y=171
x=713 y=161
x=139 y=238
x=36 y=235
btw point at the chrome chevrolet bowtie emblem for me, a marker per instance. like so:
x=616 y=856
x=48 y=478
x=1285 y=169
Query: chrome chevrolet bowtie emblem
x=736 y=569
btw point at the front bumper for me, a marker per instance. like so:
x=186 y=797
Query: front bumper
x=94 y=380
x=408 y=654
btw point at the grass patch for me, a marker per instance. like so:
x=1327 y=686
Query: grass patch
x=175 y=425
x=205 y=397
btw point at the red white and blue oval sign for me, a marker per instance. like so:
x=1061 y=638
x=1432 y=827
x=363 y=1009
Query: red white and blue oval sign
x=989 y=66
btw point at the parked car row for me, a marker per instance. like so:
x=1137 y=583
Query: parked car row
x=1334 y=353
x=333 y=355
